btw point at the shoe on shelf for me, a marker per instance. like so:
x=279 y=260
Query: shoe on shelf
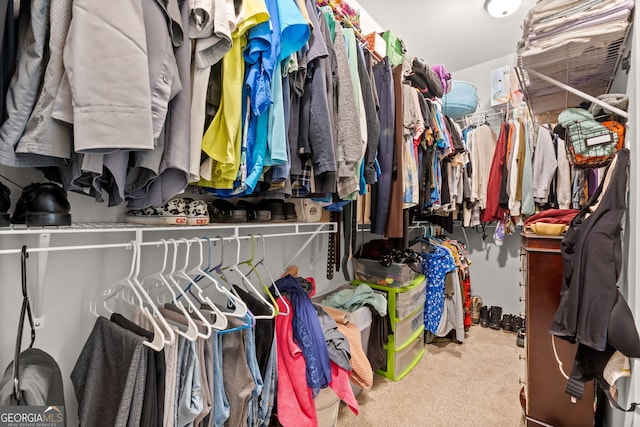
x=484 y=316
x=275 y=206
x=290 y=214
x=495 y=317
x=476 y=305
x=221 y=210
x=174 y=212
x=42 y=204
x=197 y=212
x=253 y=213
x=5 y=205
x=507 y=323
x=521 y=335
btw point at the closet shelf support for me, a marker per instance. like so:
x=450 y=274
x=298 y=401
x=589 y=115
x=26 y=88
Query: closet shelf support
x=304 y=245
x=579 y=93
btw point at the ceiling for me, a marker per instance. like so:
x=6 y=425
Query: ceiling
x=457 y=33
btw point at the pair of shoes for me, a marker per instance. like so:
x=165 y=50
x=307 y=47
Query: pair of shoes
x=280 y=210
x=495 y=317
x=5 y=205
x=254 y=213
x=178 y=211
x=484 y=316
x=222 y=210
x=476 y=305
x=41 y=204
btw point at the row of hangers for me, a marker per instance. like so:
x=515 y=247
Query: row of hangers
x=185 y=288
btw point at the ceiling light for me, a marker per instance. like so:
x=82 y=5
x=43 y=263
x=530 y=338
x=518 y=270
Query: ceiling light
x=501 y=8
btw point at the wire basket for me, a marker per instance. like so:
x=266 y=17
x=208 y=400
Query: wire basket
x=593 y=144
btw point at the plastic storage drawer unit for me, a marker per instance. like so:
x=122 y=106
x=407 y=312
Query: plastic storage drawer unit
x=406 y=329
x=370 y=271
x=399 y=363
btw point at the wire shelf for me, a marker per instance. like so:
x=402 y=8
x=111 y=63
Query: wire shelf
x=588 y=65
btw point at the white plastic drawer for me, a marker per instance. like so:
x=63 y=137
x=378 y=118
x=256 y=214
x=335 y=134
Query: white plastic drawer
x=405 y=329
x=408 y=302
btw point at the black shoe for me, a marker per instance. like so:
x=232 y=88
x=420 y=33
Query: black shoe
x=5 y=205
x=520 y=337
x=517 y=322
x=221 y=210
x=275 y=206
x=290 y=212
x=253 y=213
x=42 y=204
x=507 y=323
x=495 y=317
x=484 y=316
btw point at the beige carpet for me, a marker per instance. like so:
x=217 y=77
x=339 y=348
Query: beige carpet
x=470 y=384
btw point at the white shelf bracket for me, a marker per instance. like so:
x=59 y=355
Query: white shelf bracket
x=37 y=297
x=303 y=247
x=579 y=93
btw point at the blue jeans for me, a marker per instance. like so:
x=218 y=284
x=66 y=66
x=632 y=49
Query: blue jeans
x=252 y=362
x=220 y=401
x=268 y=396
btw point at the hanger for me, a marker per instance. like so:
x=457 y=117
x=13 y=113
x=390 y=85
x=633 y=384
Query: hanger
x=160 y=281
x=181 y=273
x=127 y=283
x=253 y=270
x=271 y=281
x=240 y=308
x=170 y=336
x=26 y=310
x=250 y=286
x=221 y=320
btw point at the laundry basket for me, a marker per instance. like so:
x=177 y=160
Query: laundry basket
x=461 y=100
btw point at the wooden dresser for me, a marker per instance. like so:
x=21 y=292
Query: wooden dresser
x=546 y=401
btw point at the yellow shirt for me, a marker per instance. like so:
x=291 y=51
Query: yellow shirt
x=222 y=140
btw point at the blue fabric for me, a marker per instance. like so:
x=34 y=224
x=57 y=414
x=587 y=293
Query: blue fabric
x=281 y=172
x=252 y=362
x=307 y=333
x=268 y=398
x=220 y=401
x=277 y=148
x=435 y=267
x=294 y=29
x=189 y=401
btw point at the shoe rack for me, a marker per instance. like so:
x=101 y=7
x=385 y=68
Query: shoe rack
x=49 y=239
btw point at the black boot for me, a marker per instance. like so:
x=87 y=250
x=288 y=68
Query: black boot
x=507 y=323
x=521 y=335
x=495 y=317
x=484 y=316
x=517 y=322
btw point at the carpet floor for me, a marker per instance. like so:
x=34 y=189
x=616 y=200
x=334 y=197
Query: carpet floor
x=471 y=384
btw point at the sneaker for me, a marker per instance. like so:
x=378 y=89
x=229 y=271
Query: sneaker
x=197 y=212
x=221 y=210
x=476 y=305
x=5 y=205
x=174 y=212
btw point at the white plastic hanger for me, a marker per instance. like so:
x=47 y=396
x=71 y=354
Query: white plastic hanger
x=173 y=280
x=169 y=335
x=272 y=282
x=240 y=309
x=127 y=283
x=221 y=320
x=250 y=286
x=159 y=279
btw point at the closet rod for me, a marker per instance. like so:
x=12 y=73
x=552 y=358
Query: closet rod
x=579 y=93
x=312 y=233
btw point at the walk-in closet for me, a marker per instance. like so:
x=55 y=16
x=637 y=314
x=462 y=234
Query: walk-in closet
x=319 y=213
